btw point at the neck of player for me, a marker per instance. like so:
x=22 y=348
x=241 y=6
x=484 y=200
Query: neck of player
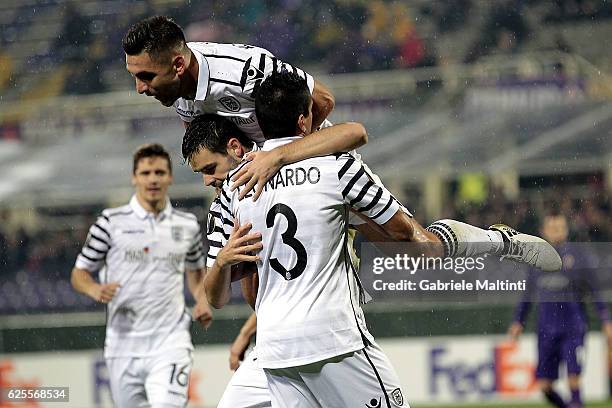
x=152 y=206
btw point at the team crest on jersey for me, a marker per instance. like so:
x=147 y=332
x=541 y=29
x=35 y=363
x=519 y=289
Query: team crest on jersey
x=230 y=103
x=210 y=224
x=177 y=233
x=397 y=396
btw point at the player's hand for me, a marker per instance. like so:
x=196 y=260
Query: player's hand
x=515 y=331
x=237 y=350
x=262 y=167
x=202 y=313
x=607 y=327
x=104 y=293
x=241 y=246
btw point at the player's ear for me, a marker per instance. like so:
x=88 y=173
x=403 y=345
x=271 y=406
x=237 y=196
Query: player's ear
x=178 y=63
x=301 y=125
x=235 y=147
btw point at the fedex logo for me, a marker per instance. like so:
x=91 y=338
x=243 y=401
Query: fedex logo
x=499 y=370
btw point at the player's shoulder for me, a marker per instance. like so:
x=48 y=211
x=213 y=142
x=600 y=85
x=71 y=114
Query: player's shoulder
x=114 y=213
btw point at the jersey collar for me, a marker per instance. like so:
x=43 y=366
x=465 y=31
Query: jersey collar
x=203 y=75
x=143 y=214
x=272 y=143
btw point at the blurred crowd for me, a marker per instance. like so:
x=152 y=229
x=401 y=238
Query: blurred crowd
x=35 y=266
x=84 y=52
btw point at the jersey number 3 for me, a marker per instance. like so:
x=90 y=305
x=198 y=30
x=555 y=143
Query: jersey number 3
x=288 y=239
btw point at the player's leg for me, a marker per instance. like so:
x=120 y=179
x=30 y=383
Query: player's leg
x=288 y=390
x=167 y=381
x=364 y=378
x=572 y=351
x=127 y=382
x=547 y=371
x=461 y=239
x=248 y=387
x=464 y=240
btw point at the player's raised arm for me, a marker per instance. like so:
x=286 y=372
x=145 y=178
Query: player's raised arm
x=264 y=164
x=238 y=248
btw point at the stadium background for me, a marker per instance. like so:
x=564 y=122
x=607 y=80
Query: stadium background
x=476 y=110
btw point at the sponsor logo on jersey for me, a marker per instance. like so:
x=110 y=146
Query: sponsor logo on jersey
x=397 y=396
x=374 y=403
x=133 y=231
x=243 y=121
x=177 y=233
x=230 y=103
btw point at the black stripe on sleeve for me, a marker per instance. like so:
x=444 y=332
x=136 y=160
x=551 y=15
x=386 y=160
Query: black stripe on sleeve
x=373 y=202
x=224 y=56
x=211 y=256
x=194 y=258
x=345 y=168
x=194 y=251
x=90 y=258
x=362 y=193
x=216 y=244
x=353 y=181
x=223 y=81
x=102 y=229
x=96 y=250
x=97 y=238
x=105 y=217
x=245 y=73
x=384 y=209
x=215 y=214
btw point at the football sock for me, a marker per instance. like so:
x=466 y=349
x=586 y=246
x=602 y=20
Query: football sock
x=461 y=239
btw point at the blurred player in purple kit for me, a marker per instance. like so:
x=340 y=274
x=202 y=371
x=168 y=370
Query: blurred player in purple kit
x=562 y=318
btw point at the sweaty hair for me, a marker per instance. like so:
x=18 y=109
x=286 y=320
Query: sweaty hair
x=279 y=102
x=211 y=132
x=151 y=150
x=156 y=36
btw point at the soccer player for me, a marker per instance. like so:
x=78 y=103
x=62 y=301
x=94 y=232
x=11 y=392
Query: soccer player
x=562 y=319
x=308 y=307
x=142 y=251
x=205 y=77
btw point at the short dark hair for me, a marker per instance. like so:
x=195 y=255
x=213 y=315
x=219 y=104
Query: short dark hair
x=151 y=150
x=154 y=35
x=279 y=102
x=211 y=132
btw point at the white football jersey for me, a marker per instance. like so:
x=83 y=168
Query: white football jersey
x=229 y=75
x=148 y=257
x=308 y=305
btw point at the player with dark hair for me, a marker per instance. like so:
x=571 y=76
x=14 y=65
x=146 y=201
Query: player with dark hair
x=562 y=319
x=142 y=251
x=304 y=264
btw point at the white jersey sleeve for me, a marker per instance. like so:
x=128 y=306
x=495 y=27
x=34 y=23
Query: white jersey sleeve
x=362 y=193
x=93 y=254
x=214 y=232
x=229 y=77
x=194 y=259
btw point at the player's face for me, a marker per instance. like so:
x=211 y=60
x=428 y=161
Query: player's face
x=214 y=167
x=158 y=79
x=555 y=229
x=152 y=179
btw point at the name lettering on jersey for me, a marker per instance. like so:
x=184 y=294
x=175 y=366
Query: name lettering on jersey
x=243 y=121
x=230 y=103
x=294 y=177
x=183 y=112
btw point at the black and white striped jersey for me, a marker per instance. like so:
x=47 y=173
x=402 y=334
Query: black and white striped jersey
x=148 y=257
x=307 y=304
x=229 y=75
